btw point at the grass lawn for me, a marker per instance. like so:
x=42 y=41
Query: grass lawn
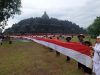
x=29 y=58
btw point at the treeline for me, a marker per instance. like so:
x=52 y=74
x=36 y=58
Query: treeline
x=94 y=28
x=41 y=25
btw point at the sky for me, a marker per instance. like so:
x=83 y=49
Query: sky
x=81 y=12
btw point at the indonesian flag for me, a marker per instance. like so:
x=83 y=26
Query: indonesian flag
x=75 y=50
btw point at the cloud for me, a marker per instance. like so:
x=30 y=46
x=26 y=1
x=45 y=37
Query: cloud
x=81 y=12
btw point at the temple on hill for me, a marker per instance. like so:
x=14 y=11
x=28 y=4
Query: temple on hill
x=45 y=15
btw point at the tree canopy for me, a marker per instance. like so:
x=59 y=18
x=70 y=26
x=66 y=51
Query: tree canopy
x=94 y=29
x=8 y=8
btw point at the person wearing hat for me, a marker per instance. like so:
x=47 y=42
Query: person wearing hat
x=68 y=39
x=81 y=40
x=96 y=57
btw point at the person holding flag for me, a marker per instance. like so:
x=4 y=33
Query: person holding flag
x=57 y=53
x=87 y=43
x=81 y=40
x=68 y=39
x=96 y=57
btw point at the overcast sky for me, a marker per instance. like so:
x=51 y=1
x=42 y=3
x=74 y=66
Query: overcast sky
x=81 y=12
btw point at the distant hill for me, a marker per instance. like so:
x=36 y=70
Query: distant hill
x=44 y=24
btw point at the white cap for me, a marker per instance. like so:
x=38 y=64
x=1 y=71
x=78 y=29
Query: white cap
x=98 y=37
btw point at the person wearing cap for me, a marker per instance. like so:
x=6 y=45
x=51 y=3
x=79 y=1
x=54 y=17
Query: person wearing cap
x=96 y=57
x=68 y=39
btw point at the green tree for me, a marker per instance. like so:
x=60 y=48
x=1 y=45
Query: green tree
x=8 y=8
x=94 y=29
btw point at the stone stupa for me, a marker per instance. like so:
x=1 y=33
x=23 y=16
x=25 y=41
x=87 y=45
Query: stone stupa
x=45 y=16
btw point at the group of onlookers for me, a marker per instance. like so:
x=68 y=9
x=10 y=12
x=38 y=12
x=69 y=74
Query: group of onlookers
x=95 y=53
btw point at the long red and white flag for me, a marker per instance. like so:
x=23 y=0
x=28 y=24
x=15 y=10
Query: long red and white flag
x=75 y=50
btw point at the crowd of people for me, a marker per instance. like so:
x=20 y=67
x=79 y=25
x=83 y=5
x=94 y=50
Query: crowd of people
x=95 y=53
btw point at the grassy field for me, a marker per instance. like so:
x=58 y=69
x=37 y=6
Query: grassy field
x=29 y=58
